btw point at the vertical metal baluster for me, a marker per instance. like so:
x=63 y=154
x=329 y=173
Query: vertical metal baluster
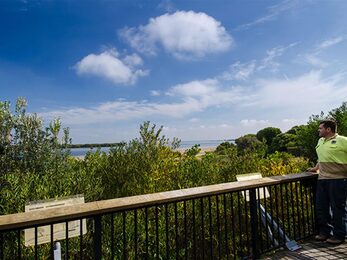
x=185 y=229
x=112 y=236
x=277 y=215
x=176 y=231
x=282 y=214
x=287 y=208
x=124 y=237
x=1 y=246
x=312 y=206
x=19 y=253
x=307 y=213
x=272 y=215
x=240 y=222
x=156 y=232
x=293 y=209
x=167 y=230
x=297 y=209
x=246 y=228
x=81 y=239
x=218 y=227
x=254 y=225
x=233 y=224
x=52 y=241
x=226 y=226
x=97 y=237
x=302 y=211
x=146 y=231
x=211 y=230
x=261 y=244
x=266 y=222
x=202 y=227
x=194 y=231
x=67 y=240
x=36 y=253
x=135 y=232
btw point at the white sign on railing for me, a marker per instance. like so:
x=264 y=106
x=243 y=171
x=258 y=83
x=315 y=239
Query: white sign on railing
x=59 y=229
x=261 y=194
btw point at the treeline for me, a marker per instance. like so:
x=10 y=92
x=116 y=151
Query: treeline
x=96 y=145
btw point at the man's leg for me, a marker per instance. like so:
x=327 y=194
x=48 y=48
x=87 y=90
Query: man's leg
x=322 y=208
x=338 y=195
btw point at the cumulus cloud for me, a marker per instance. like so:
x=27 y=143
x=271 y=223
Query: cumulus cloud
x=195 y=88
x=108 y=65
x=184 y=34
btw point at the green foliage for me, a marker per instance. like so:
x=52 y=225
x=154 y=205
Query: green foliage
x=250 y=143
x=224 y=147
x=283 y=142
x=267 y=134
x=35 y=164
x=340 y=116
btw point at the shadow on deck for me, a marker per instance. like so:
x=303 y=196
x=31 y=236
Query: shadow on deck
x=312 y=249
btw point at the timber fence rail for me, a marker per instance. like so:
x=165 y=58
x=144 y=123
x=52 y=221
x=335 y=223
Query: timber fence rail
x=209 y=222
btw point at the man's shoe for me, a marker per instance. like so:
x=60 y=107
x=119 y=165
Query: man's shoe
x=334 y=241
x=321 y=237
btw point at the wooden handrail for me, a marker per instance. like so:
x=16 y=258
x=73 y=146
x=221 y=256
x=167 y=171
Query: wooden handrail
x=90 y=209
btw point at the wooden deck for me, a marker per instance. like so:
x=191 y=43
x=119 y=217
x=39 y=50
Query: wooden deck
x=312 y=249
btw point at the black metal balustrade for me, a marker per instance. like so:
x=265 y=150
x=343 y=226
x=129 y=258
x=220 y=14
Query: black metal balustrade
x=210 y=222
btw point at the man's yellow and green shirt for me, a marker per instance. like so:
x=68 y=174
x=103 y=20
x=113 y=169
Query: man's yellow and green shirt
x=332 y=157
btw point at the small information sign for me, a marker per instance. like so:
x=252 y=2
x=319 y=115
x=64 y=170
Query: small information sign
x=59 y=229
x=261 y=194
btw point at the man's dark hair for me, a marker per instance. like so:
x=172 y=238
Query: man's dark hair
x=329 y=123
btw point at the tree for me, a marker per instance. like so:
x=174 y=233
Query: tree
x=223 y=147
x=249 y=143
x=268 y=134
x=25 y=144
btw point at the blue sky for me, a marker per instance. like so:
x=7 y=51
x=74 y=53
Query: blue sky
x=202 y=69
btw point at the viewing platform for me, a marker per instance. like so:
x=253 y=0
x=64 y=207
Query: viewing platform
x=237 y=220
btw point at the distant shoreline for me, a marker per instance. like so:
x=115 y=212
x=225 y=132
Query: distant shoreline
x=203 y=151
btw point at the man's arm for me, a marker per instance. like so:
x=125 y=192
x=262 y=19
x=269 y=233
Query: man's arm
x=314 y=169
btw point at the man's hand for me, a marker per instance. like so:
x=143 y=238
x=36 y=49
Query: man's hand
x=313 y=169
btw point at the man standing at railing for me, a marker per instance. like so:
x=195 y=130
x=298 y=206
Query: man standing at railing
x=332 y=183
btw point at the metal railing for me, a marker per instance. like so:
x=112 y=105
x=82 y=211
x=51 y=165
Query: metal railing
x=210 y=222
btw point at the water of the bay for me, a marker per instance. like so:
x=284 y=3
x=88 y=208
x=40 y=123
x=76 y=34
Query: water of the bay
x=183 y=145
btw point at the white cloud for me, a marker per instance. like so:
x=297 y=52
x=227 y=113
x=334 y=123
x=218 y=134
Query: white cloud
x=330 y=42
x=192 y=97
x=167 y=5
x=185 y=34
x=272 y=54
x=305 y=94
x=194 y=120
x=313 y=58
x=315 y=61
x=240 y=71
x=195 y=88
x=155 y=93
x=133 y=60
x=109 y=66
x=273 y=12
x=254 y=122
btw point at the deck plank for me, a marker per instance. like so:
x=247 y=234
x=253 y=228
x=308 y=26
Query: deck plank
x=312 y=249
